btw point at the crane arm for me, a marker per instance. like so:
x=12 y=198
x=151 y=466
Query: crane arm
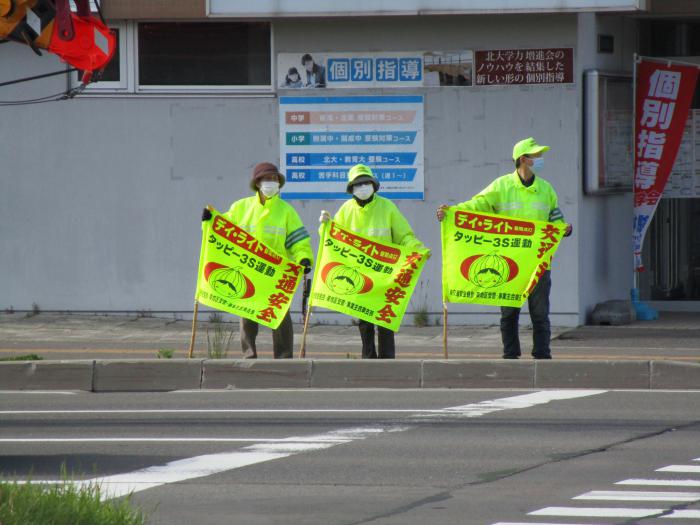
x=79 y=39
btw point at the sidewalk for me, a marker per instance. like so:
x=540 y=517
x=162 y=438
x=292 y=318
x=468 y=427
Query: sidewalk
x=675 y=336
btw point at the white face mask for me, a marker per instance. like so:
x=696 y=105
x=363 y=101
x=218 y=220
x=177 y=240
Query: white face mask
x=537 y=165
x=269 y=188
x=363 y=191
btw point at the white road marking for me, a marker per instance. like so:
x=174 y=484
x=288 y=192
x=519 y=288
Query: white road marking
x=201 y=466
x=679 y=468
x=633 y=495
x=599 y=512
x=515 y=402
x=46 y=392
x=683 y=514
x=614 y=512
x=539 y=523
x=470 y=410
x=207 y=465
x=661 y=482
x=183 y=440
x=232 y=411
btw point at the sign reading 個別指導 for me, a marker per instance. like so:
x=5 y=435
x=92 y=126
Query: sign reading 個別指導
x=365 y=278
x=374 y=69
x=241 y=275
x=492 y=259
x=321 y=138
x=664 y=94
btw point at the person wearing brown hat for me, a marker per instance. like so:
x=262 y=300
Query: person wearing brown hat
x=523 y=194
x=276 y=223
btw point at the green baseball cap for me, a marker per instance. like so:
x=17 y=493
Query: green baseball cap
x=360 y=173
x=528 y=147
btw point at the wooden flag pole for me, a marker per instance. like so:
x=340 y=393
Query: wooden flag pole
x=194 y=328
x=309 y=305
x=196 y=293
x=302 y=349
x=444 y=330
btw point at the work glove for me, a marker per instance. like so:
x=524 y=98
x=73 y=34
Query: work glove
x=307 y=265
x=206 y=214
x=325 y=216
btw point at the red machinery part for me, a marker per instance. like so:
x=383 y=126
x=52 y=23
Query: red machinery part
x=91 y=48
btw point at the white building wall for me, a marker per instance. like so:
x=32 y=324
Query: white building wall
x=605 y=221
x=100 y=197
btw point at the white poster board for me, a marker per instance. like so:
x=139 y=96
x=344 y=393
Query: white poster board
x=321 y=138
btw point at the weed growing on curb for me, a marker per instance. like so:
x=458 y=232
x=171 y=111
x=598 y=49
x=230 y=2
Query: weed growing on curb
x=165 y=353
x=218 y=344
x=26 y=357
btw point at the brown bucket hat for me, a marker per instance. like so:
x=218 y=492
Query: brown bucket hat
x=262 y=169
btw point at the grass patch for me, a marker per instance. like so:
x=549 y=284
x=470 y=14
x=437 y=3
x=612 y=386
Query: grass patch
x=165 y=353
x=26 y=357
x=219 y=342
x=62 y=504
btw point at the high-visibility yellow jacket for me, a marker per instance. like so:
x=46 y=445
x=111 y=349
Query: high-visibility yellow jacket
x=380 y=218
x=276 y=223
x=507 y=195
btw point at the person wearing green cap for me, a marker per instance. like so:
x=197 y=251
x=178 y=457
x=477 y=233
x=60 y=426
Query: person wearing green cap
x=371 y=215
x=523 y=194
x=276 y=223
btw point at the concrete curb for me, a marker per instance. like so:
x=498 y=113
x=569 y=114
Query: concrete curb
x=46 y=375
x=150 y=375
x=147 y=375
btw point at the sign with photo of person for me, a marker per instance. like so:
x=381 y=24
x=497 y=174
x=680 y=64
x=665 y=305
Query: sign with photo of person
x=374 y=70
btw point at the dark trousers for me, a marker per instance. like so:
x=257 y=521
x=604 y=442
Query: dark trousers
x=282 y=338
x=538 y=304
x=386 y=348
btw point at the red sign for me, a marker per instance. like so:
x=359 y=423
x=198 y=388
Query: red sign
x=489 y=224
x=664 y=94
x=373 y=249
x=501 y=67
x=243 y=239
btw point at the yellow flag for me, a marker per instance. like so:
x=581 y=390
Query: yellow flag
x=365 y=278
x=241 y=275
x=492 y=259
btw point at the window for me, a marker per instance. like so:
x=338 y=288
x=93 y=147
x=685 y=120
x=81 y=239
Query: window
x=115 y=74
x=204 y=55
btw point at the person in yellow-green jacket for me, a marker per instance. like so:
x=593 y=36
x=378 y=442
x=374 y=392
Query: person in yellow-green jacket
x=275 y=222
x=522 y=194
x=371 y=215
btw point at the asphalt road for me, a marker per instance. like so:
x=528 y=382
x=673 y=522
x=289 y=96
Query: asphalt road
x=381 y=457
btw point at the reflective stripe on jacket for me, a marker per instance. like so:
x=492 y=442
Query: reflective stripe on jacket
x=380 y=218
x=507 y=195
x=276 y=223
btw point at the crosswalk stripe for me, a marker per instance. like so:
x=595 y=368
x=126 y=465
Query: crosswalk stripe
x=540 y=523
x=615 y=512
x=633 y=495
x=661 y=482
x=599 y=512
x=679 y=468
x=683 y=514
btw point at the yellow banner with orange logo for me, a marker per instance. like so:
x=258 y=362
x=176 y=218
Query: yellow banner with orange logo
x=364 y=278
x=492 y=259
x=241 y=275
